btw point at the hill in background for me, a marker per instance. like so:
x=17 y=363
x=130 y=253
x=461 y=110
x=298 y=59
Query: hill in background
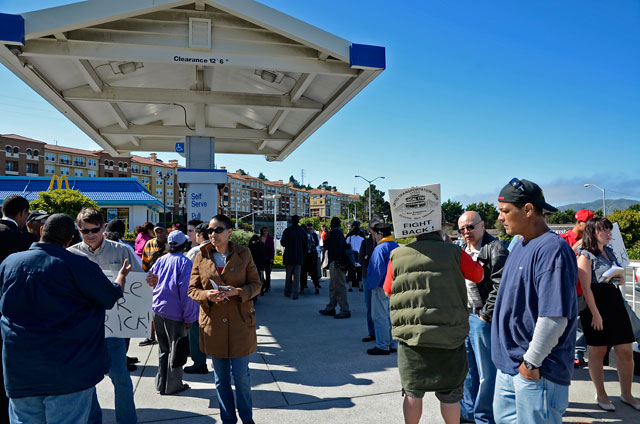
x=612 y=204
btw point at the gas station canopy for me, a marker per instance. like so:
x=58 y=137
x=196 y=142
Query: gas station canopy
x=142 y=75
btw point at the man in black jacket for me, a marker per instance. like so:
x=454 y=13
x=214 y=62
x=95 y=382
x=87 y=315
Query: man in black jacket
x=491 y=253
x=293 y=240
x=15 y=210
x=336 y=245
x=310 y=261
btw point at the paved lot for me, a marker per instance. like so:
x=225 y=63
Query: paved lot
x=314 y=369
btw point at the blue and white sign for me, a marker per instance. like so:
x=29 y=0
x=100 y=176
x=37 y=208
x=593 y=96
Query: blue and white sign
x=179 y=147
x=202 y=201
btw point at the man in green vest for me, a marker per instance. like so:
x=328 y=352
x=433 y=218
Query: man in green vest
x=428 y=302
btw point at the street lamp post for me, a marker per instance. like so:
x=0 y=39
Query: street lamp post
x=369 y=181
x=275 y=198
x=604 y=207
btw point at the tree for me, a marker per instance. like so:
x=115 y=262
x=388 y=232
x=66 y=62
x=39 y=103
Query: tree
x=488 y=212
x=295 y=182
x=629 y=222
x=562 y=217
x=379 y=206
x=635 y=207
x=325 y=185
x=452 y=211
x=262 y=177
x=62 y=201
x=242 y=172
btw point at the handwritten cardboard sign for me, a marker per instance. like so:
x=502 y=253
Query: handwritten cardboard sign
x=617 y=245
x=131 y=315
x=416 y=210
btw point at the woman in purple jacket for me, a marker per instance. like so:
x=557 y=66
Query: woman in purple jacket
x=173 y=310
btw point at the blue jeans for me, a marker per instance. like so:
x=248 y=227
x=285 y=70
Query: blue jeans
x=367 y=303
x=480 y=381
x=71 y=408
x=122 y=385
x=223 y=369
x=381 y=319
x=197 y=356
x=517 y=400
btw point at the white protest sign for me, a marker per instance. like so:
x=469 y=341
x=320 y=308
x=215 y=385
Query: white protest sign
x=131 y=315
x=617 y=245
x=416 y=210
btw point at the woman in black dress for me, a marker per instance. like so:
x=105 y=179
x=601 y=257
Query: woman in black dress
x=605 y=322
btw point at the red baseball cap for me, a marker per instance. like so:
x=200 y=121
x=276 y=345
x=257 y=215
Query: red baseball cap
x=584 y=215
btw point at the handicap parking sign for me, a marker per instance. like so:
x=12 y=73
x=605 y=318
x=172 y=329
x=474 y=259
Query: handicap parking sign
x=179 y=147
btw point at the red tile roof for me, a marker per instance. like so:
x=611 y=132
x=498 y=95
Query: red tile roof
x=71 y=150
x=19 y=137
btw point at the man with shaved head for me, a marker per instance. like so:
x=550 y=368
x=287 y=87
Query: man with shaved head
x=476 y=405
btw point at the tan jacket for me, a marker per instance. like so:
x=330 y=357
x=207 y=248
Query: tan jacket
x=227 y=330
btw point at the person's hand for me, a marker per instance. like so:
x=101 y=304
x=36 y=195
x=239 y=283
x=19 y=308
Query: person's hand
x=231 y=291
x=152 y=279
x=596 y=322
x=482 y=319
x=619 y=279
x=126 y=267
x=217 y=296
x=528 y=374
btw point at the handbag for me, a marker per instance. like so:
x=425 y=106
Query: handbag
x=179 y=352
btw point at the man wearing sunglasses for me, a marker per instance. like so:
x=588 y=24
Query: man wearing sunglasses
x=491 y=254
x=533 y=330
x=109 y=255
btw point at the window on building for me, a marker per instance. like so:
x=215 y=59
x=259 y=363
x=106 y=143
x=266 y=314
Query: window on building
x=66 y=159
x=92 y=174
x=16 y=150
x=134 y=169
x=8 y=149
x=170 y=182
x=92 y=162
x=108 y=174
x=159 y=181
x=78 y=173
x=49 y=169
x=169 y=193
x=158 y=191
x=36 y=153
x=120 y=164
x=110 y=163
x=145 y=170
x=170 y=202
x=64 y=171
x=106 y=162
x=28 y=152
x=11 y=166
x=170 y=172
x=123 y=175
x=145 y=180
x=125 y=165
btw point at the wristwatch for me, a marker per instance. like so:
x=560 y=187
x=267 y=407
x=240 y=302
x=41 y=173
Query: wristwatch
x=529 y=365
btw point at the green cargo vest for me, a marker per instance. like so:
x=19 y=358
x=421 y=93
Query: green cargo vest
x=428 y=296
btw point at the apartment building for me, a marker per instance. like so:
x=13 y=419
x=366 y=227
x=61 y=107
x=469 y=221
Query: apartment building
x=21 y=156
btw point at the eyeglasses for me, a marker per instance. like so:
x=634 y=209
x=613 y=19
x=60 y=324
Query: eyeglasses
x=517 y=184
x=217 y=230
x=467 y=228
x=190 y=230
x=91 y=230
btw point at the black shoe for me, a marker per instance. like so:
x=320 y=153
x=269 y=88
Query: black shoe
x=579 y=363
x=132 y=360
x=294 y=297
x=131 y=367
x=196 y=369
x=332 y=312
x=342 y=315
x=361 y=289
x=287 y=295
x=369 y=338
x=350 y=289
x=393 y=349
x=317 y=290
x=181 y=389
x=147 y=342
x=301 y=291
x=378 y=351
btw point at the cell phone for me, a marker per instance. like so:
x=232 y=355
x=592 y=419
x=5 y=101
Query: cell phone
x=224 y=288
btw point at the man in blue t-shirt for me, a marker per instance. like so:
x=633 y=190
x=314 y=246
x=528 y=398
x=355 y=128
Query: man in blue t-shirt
x=534 y=321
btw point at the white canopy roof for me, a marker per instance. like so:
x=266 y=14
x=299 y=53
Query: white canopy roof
x=140 y=75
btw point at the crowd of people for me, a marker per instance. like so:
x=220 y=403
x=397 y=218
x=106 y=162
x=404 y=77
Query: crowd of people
x=495 y=333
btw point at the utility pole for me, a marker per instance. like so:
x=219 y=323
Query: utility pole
x=302 y=177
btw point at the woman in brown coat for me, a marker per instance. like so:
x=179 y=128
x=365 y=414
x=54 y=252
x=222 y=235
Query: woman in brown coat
x=223 y=280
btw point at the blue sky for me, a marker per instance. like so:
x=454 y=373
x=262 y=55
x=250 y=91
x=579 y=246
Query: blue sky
x=474 y=93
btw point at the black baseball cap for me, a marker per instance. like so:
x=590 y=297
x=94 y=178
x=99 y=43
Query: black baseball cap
x=38 y=215
x=524 y=191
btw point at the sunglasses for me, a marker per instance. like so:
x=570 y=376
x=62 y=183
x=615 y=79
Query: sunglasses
x=92 y=230
x=217 y=230
x=517 y=184
x=466 y=228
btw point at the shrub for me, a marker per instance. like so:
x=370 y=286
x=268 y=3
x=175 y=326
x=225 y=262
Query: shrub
x=241 y=237
x=62 y=201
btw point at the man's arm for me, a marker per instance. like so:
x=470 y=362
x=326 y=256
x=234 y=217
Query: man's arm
x=497 y=258
x=545 y=337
